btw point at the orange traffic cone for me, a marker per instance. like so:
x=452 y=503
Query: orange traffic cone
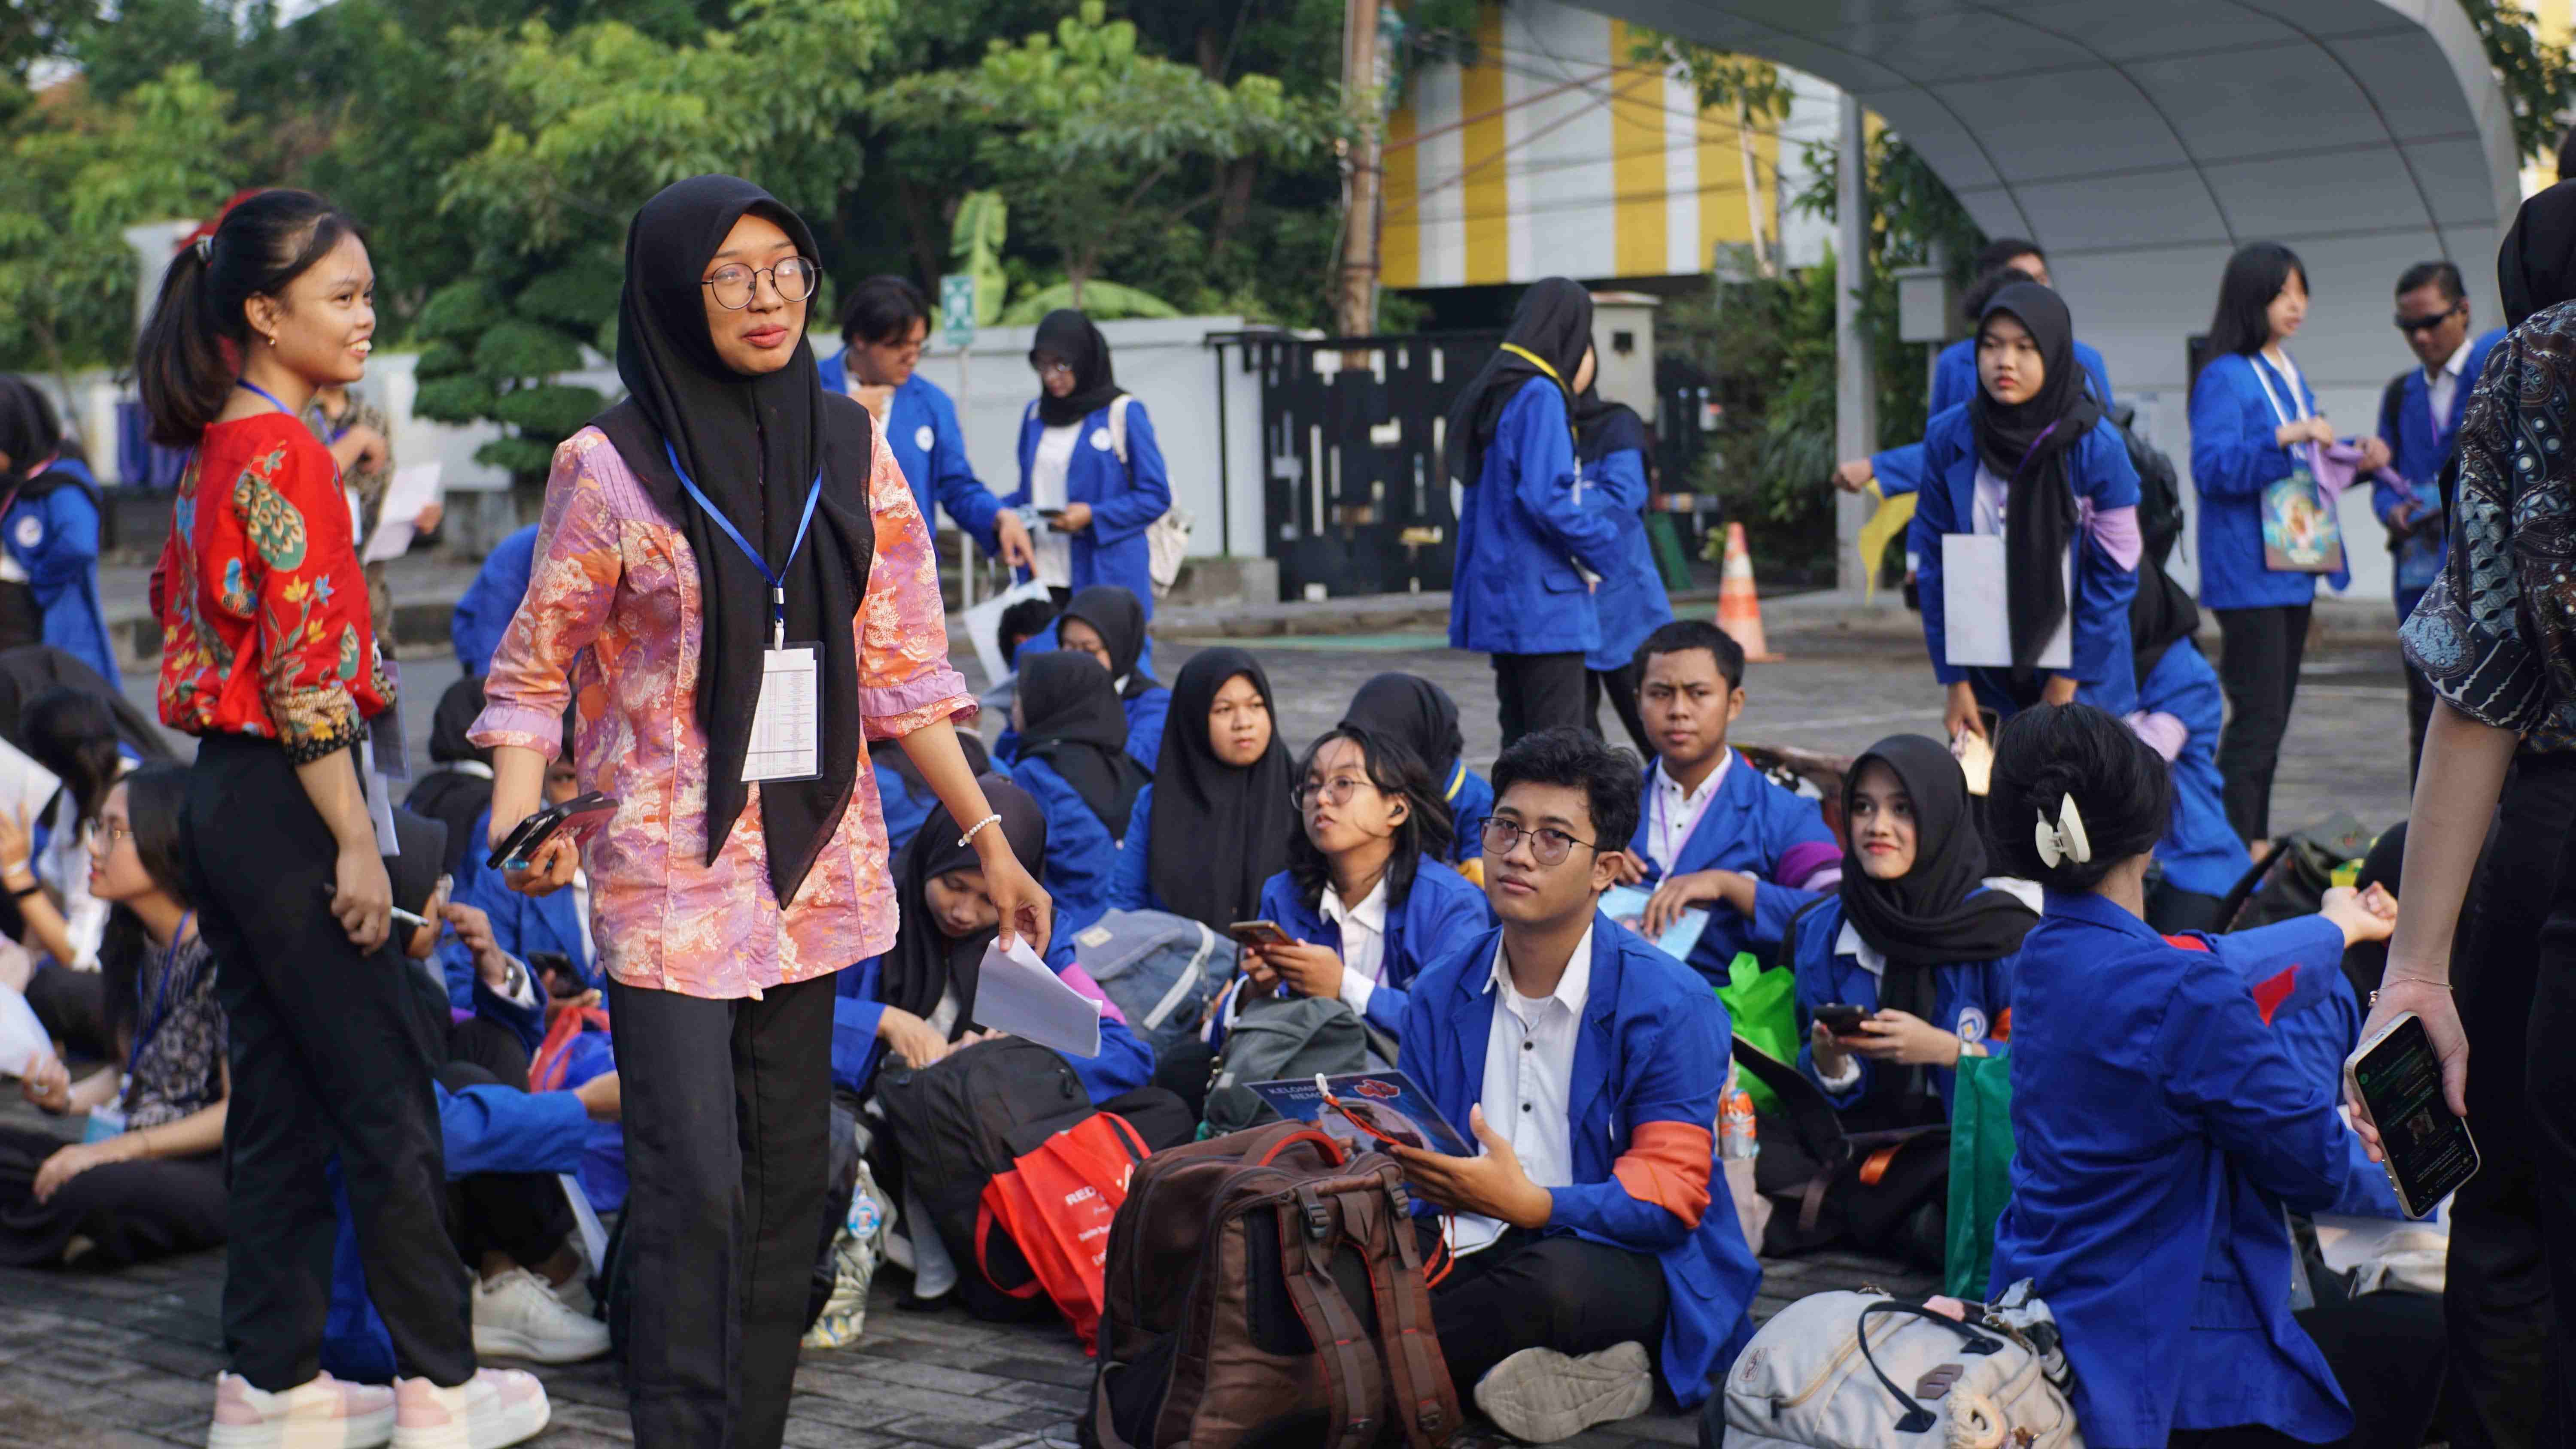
x=1739 y=613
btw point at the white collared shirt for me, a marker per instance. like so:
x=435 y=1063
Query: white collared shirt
x=1676 y=810
x=2442 y=384
x=1363 y=942
x=1529 y=1078
x=581 y=912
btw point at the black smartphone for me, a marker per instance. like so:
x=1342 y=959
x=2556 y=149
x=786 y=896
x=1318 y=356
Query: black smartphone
x=2427 y=1151
x=1841 y=1020
x=513 y=853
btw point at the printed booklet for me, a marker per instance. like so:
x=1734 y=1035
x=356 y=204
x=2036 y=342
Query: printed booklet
x=1368 y=1109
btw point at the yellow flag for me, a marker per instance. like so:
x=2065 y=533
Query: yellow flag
x=1888 y=522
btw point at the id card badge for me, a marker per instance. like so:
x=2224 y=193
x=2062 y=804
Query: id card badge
x=786 y=735
x=104 y=1122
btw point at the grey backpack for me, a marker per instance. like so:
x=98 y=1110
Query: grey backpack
x=1160 y=968
x=1278 y=1037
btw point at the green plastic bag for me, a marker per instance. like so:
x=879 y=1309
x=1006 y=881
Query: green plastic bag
x=1764 y=1007
x=1981 y=1157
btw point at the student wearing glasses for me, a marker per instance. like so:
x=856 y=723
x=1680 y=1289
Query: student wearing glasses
x=1366 y=900
x=2419 y=416
x=1089 y=466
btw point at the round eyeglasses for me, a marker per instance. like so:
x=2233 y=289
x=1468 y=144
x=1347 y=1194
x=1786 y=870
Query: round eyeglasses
x=1335 y=791
x=734 y=284
x=1548 y=843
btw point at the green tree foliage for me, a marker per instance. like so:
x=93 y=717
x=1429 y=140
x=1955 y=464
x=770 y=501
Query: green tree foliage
x=2539 y=78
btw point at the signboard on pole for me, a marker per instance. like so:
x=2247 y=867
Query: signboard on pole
x=957 y=309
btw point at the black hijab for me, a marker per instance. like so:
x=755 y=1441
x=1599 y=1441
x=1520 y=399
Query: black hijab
x=1417 y=712
x=2160 y=615
x=1932 y=915
x=753 y=445
x=1602 y=428
x=924 y=962
x=1223 y=829
x=1070 y=718
x=451 y=721
x=2536 y=266
x=1553 y=322
x=2027 y=444
x=1067 y=334
x=1119 y=619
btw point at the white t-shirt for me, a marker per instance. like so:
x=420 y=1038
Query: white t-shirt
x=1047 y=490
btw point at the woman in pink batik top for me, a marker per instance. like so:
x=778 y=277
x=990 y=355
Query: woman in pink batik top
x=728 y=533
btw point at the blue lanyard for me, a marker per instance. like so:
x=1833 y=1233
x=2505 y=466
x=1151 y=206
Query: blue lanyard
x=244 y=382
x=165 y=998
x=777 y=580
x=264 y=392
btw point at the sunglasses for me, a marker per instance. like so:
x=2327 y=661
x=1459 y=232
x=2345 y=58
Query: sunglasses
x=2412 y=325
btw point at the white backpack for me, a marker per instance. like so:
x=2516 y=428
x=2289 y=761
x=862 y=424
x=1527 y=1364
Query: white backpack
x=1865 y=1371
x=1167 y=539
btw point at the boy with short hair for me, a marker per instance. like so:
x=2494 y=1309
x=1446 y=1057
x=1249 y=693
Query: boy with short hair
x=1715 y=832
x=1589 y=1064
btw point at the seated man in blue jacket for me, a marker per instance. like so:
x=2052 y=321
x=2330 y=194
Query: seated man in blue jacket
x=540 y=931
x=484 y=613
x=1589 y=1065
x=1711 y=830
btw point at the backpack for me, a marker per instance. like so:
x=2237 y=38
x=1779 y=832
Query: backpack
x=2292 y=881
x=1881 y=1191
x=1267 y=1288
x=1055 y=1206
x=1167 y=539
x=1160 y=968
x=1865 y=1371
x=970 y=1116
x=1277 y=1037
x=2160 y=518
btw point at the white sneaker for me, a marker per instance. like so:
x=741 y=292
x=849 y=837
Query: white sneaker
x=321 y=1413
x=1540 y=1396
x=494 y=1408
x=518 y=1316
x=574 y=1293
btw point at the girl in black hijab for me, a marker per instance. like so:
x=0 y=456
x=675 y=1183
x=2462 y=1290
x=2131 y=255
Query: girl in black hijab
x=1068 y=338
x=2026 y=443
x=1422 y=717
x=1224 y=825
x=1617 y=456
x=1915 y=939
x=1073 y=758
x=729 y=458
x=1090 y=465
x=1108 y=623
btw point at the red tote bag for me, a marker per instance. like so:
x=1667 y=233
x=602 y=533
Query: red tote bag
x=1056 y=1204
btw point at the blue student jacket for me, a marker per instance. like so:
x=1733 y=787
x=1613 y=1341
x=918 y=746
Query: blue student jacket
x=1971 y=1000
x=1471 y=802
x=904 y=811
x=521 y=925
x=1749 y=826
x=483 y=615
x=1125 y=499
x=1124 y=1064
x=921 y=431
x=2418 y=445
x=481 y=1129
x=1630 y=601
x=1443 y=909
x=2201 y=852
x=1521 y=532
x=1653 y=1049
x=2160 y=1128
x=2099 y=470
x=2233 y=459
x=55 y=539
x=1080 y=855
x=1131 y=880
x=1954 y=378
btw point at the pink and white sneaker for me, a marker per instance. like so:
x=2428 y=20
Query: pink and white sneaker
x=494 y=1408
x=323 y=1413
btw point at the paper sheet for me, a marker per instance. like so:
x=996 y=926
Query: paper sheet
x=985 y=618
x=1016 y=993
x=1977 y=627
x=22 y=1037
x=25 y=786
x=1627 y=906
x=412 y=489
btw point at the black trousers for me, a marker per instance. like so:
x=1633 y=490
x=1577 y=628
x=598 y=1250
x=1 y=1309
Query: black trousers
x=72 y=1005
x=326 y=1057
x=2385 y=1350
x=2260 y=669
x=1620 y=685
x=131 y=1211
x=728 y=1117
x=1539 y=692
x=523 y=1216
x=1528 y=1291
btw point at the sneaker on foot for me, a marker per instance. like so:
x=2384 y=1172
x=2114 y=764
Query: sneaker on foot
x=517 y=1316
x=323 y=1413
x=494 y=1408
x=574 y=1293
x=1540 y=1396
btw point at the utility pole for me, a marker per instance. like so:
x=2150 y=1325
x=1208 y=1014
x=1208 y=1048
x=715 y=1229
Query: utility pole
x=1355 y=302
x=1855 y=381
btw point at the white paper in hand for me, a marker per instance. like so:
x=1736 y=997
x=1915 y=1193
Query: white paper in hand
x=412 y=489
x=983 y=620
x=25 y=786
x=1016 y=993
x=22 y=1036
x=1976 y=624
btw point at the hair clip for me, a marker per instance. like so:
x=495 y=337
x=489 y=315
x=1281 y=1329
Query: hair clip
x=206 y=247
x=2065 y=840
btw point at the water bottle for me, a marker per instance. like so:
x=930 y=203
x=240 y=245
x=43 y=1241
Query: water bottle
x=1736 y=1135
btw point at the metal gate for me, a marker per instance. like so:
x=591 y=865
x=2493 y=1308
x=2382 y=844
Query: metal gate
x=1355 y=500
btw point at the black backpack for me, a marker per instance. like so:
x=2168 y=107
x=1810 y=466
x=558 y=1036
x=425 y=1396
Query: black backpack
x=1276 y=1038
x=2160 y=517
x=1881 y=1192
x=970 y=1116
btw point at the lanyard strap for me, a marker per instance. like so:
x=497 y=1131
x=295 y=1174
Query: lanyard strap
x=2263 y=375
x=1571 y=431
x=264 y=392
x=336 y=472
x=1536 y=361
x=777 y=580
x=165 y=998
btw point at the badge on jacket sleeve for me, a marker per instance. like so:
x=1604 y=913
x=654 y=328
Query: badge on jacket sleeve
x=1100 y=439
x=923 y=437
x=30 y=531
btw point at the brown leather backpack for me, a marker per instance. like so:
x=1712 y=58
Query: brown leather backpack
x=1266 y=1288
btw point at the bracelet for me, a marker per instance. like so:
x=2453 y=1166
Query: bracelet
x=2418 y=980
x=969 y=837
